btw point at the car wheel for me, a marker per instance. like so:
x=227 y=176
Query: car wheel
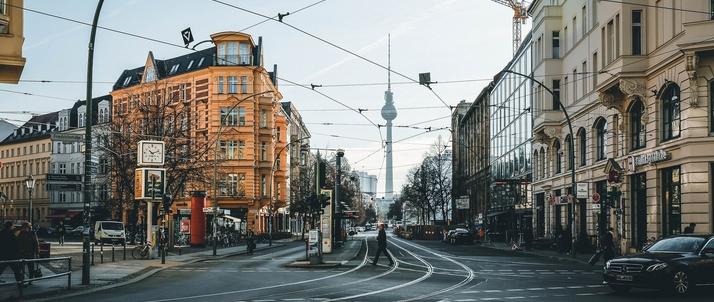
x=680 y=283
x=620 y=289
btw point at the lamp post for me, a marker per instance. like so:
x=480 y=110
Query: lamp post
x=215 y=165
x=272 y=172
x=30 y=184
x=337 y=230
x=571 y=154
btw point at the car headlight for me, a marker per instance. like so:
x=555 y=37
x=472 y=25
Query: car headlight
x=657 y=267
x=607 y=264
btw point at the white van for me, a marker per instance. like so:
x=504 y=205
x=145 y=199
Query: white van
x=109 y=231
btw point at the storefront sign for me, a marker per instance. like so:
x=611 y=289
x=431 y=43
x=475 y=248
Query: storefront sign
x=67 y=138
x=64 y=177
x=650 y=158
x=582 y=190
x=462 y=203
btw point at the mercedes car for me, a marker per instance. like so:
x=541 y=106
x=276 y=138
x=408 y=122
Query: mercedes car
x=675 y=263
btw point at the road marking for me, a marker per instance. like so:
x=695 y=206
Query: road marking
x=294 y=299
x=465 y=300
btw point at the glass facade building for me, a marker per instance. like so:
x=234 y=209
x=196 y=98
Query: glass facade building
x=510 y=136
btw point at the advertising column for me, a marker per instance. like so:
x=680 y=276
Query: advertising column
x=326 y=223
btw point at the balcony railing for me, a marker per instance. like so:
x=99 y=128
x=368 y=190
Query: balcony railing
x=240 y=60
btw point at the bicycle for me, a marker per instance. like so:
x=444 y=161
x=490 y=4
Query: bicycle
x=142 y=251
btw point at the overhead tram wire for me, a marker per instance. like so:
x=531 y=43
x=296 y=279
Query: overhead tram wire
x=333 y=45
x=39 y=95
x=278 y=15
x=401 y=140
x=183 y=47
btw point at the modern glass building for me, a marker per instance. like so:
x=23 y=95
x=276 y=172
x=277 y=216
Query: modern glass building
x=511 y=120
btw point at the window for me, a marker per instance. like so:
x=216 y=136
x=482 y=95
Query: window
x=277 y=138
x=232 y=84
x=711 y=105
x=671 y=201
x=243 y=84
x=263 y=151
x=558 y=156
x=583 y=81
x=569 y=145
x=711 y=9
x=241 y=149
x=244 y=54
x=71 y=168
x=263 y=118
x=3 y=7
x=636 y=32
x=241 y=116
x=62 y=168
x=637 y=126
x=610 y=41
x=103 y=165
x=584 y=20
x=601 y=139
x=220 y=85
x=670 y=111
x=556 y=45
x=582 y=149
x=262 y=185
x=575 y=30
x=174 y=69
x=229 y=149
x=595 y=69
x=228 y=117
x=230 y=186
x=4 y=29
x=227 y=53
x=556 y=94
x=190 y=64
x=565 y=39
x=575 y=84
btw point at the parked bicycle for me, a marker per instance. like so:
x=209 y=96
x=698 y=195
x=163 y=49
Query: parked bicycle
x=142 y=251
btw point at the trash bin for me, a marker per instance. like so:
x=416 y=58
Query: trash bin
x=44 y=249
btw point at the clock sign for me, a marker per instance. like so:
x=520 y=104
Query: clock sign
x=150 y=153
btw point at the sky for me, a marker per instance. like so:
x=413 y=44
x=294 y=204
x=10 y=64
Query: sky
x=451 y=39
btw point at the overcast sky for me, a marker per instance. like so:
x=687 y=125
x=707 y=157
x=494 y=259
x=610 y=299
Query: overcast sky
x=452 y=39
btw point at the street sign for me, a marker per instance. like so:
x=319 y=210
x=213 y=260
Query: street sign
x=582 y=190
x=187 y=36
x=462 y=203
x=596 y=198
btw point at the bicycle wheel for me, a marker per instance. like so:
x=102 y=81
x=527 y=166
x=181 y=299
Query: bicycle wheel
x=145 y=252
x=135 y=252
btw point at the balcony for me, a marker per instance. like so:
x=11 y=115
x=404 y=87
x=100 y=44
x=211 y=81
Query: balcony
x=547 y=117
x=234 y=60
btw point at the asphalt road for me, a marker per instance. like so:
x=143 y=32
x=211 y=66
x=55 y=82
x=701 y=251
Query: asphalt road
x=425 y=271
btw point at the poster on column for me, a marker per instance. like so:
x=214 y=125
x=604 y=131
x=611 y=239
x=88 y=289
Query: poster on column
x=326 y=223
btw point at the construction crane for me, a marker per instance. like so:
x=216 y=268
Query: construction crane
x=520 y=15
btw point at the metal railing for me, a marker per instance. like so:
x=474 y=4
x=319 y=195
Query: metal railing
x=35 y=265
x=243 y=59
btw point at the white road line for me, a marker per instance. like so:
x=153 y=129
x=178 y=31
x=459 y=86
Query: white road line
x=294 y=299
x=364 y=261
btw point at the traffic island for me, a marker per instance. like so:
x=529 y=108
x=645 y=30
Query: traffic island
x=339 y=256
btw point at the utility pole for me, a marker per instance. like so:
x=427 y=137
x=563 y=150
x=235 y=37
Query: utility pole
x=88 y=148
x=337 y=229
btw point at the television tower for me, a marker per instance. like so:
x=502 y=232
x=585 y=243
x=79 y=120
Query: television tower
x=389 y=113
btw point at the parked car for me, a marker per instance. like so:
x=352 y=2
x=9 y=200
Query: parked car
x=675 y=263
x=360 y=229
x=460 y=235
x=109 y=231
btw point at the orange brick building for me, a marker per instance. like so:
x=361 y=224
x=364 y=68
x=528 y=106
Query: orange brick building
x=223 y=89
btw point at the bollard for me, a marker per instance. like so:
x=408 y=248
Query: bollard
x=69 y=276
x=112 y=251
x=124 y=249
x=101 y=252
x=93 y=253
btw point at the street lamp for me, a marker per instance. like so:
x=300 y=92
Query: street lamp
x=571 y=154
x=215 y=164
x=337 y=230
x=272 y=172
x=30 y=184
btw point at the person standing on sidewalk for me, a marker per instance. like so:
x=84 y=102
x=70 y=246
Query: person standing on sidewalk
x=61 y=230
x=607 y=248
x=250 y=241
x=28 y=246
x=382 y=246
x=8 y=250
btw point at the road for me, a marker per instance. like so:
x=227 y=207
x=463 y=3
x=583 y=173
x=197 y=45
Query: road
x=425 y=271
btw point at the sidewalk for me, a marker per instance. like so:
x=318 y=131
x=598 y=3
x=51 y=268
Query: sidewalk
x=112 y=274
x=580 y=258
x=339 y=256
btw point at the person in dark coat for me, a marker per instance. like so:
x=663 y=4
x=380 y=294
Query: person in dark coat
x=609 y=245
x=250 y=240
x=382 y=246
x=8 y=250
x=61 y=230
x=28 y=246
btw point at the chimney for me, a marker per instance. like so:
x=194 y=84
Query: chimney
x=258 y=60
x=275 y=75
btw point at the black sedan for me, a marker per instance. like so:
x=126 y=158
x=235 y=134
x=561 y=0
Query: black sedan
x=674 y=263
x=460 y=235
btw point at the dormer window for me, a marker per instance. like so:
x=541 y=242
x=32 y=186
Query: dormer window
x=127 y=80
x=189 y=65
x=150 y=74
x=227 y=53
x=200 y=62
x=174 y=69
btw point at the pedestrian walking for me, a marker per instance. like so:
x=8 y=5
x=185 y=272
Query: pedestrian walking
x=607 y=248
x=690 y=228
x=61 y=230
x=8 y=250
x=250 y=241
x=382 y=246
x=28 y=247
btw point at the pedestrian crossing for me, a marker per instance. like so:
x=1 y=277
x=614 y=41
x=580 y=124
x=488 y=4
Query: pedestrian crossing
x=247 y=270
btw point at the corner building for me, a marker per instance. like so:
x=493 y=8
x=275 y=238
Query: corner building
x=635 y=78
x=203 y=86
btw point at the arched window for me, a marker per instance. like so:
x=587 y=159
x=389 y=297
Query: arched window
x=568 y=149
x=557 y=154
x=637 y=126
x=536 y=165
x=601 y=139
x=543 y=173
x=670 y=111
x=582 y=148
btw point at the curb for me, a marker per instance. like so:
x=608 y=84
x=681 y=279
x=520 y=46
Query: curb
x=136 y=279
x=559 y=258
